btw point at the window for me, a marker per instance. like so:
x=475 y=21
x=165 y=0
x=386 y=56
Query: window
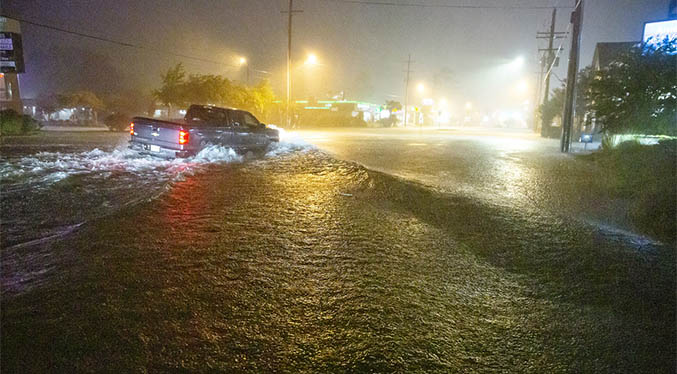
x=250 y=120
x=236 y=118
x=206 y=115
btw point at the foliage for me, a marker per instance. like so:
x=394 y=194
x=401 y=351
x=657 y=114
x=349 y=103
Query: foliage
x=13 y=123
x=117 y=121
x=47 y=104
x=554 y=107
x=646 y=176
x=180 y=90
x=129 y=102
x=392 y=106
x=80 y=99
x=171 y=93
x=638 y=92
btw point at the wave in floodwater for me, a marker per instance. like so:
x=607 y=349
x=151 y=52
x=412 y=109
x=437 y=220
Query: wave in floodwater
x=84 y=185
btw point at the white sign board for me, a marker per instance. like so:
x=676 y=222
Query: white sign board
x=658 y=31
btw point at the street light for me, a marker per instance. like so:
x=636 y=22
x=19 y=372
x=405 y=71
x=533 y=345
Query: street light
x=522 y=87
x=517 y=63
x=243 y=61
x=312 y=59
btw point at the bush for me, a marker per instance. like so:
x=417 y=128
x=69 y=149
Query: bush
x=117 y=122
x=13 y=123
x=646 y=176
x=637 y=93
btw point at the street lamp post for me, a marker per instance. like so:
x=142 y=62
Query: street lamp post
x=243 y=61
x=311 y=63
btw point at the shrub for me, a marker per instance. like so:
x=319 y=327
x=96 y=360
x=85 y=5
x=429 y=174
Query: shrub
x=646 y=176
x=13 y=123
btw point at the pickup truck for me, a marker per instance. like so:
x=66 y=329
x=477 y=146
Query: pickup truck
x=203 y=125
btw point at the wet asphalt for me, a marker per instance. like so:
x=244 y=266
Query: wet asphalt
x=367 y=252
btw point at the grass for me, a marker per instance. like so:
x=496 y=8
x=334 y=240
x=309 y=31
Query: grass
x=646 y=177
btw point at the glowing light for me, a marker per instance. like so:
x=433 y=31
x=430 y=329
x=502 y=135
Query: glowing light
x=443 y=102
x=242 y=60
x=658 y=31
x=517 y=62
x=420 y=88
x=468 y=105
x=311 y=59
x=522 y=87
x=184 y=137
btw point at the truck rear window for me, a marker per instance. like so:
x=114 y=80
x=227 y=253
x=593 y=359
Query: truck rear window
x=206 y=115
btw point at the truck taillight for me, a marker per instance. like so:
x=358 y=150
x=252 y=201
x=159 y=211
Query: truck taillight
x=184 y=136
x=131 y=128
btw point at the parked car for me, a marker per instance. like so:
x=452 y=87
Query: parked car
x=202 y=126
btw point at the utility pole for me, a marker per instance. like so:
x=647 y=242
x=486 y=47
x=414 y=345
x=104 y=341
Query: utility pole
x=547 y=64
x=289 y=62
x=290 y=13
x=570 y=97
x=406 y=91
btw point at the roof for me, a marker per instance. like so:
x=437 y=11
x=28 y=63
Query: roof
x=606 y=53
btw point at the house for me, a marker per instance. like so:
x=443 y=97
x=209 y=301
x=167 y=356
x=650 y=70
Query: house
x=606 y=53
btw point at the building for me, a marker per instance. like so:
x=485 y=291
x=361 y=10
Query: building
x=606 y=53
x=11 y=63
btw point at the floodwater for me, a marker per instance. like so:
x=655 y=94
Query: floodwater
x=298 y=261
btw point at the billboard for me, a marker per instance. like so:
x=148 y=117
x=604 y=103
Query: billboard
x=11 y=53
x=659 y=30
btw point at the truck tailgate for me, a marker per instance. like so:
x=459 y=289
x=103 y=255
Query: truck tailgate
x=161 y=133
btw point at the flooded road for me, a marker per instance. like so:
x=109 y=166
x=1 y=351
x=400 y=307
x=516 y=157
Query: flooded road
x=435 y=258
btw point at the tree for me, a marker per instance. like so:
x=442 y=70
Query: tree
x=257 y=99
x=84 y=103
x=172 y=92
x=638 y=92
x=180 y=90
x=131 y=102
x=554 y=107
x=47 y=104
x=392 y=106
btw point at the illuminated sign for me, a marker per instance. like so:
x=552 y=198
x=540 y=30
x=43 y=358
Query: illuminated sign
x=11 y=53
x=6 y=44
x=658 y=31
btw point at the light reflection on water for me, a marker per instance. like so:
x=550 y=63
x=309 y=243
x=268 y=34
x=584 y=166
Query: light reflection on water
x=93 y=183
x=268 y=265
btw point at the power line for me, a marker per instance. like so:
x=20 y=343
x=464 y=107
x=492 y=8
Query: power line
x=561 y=44
x=113 y=41
x=453 y=6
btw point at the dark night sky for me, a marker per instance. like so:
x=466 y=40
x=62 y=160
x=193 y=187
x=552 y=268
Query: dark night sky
x=362 y=47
